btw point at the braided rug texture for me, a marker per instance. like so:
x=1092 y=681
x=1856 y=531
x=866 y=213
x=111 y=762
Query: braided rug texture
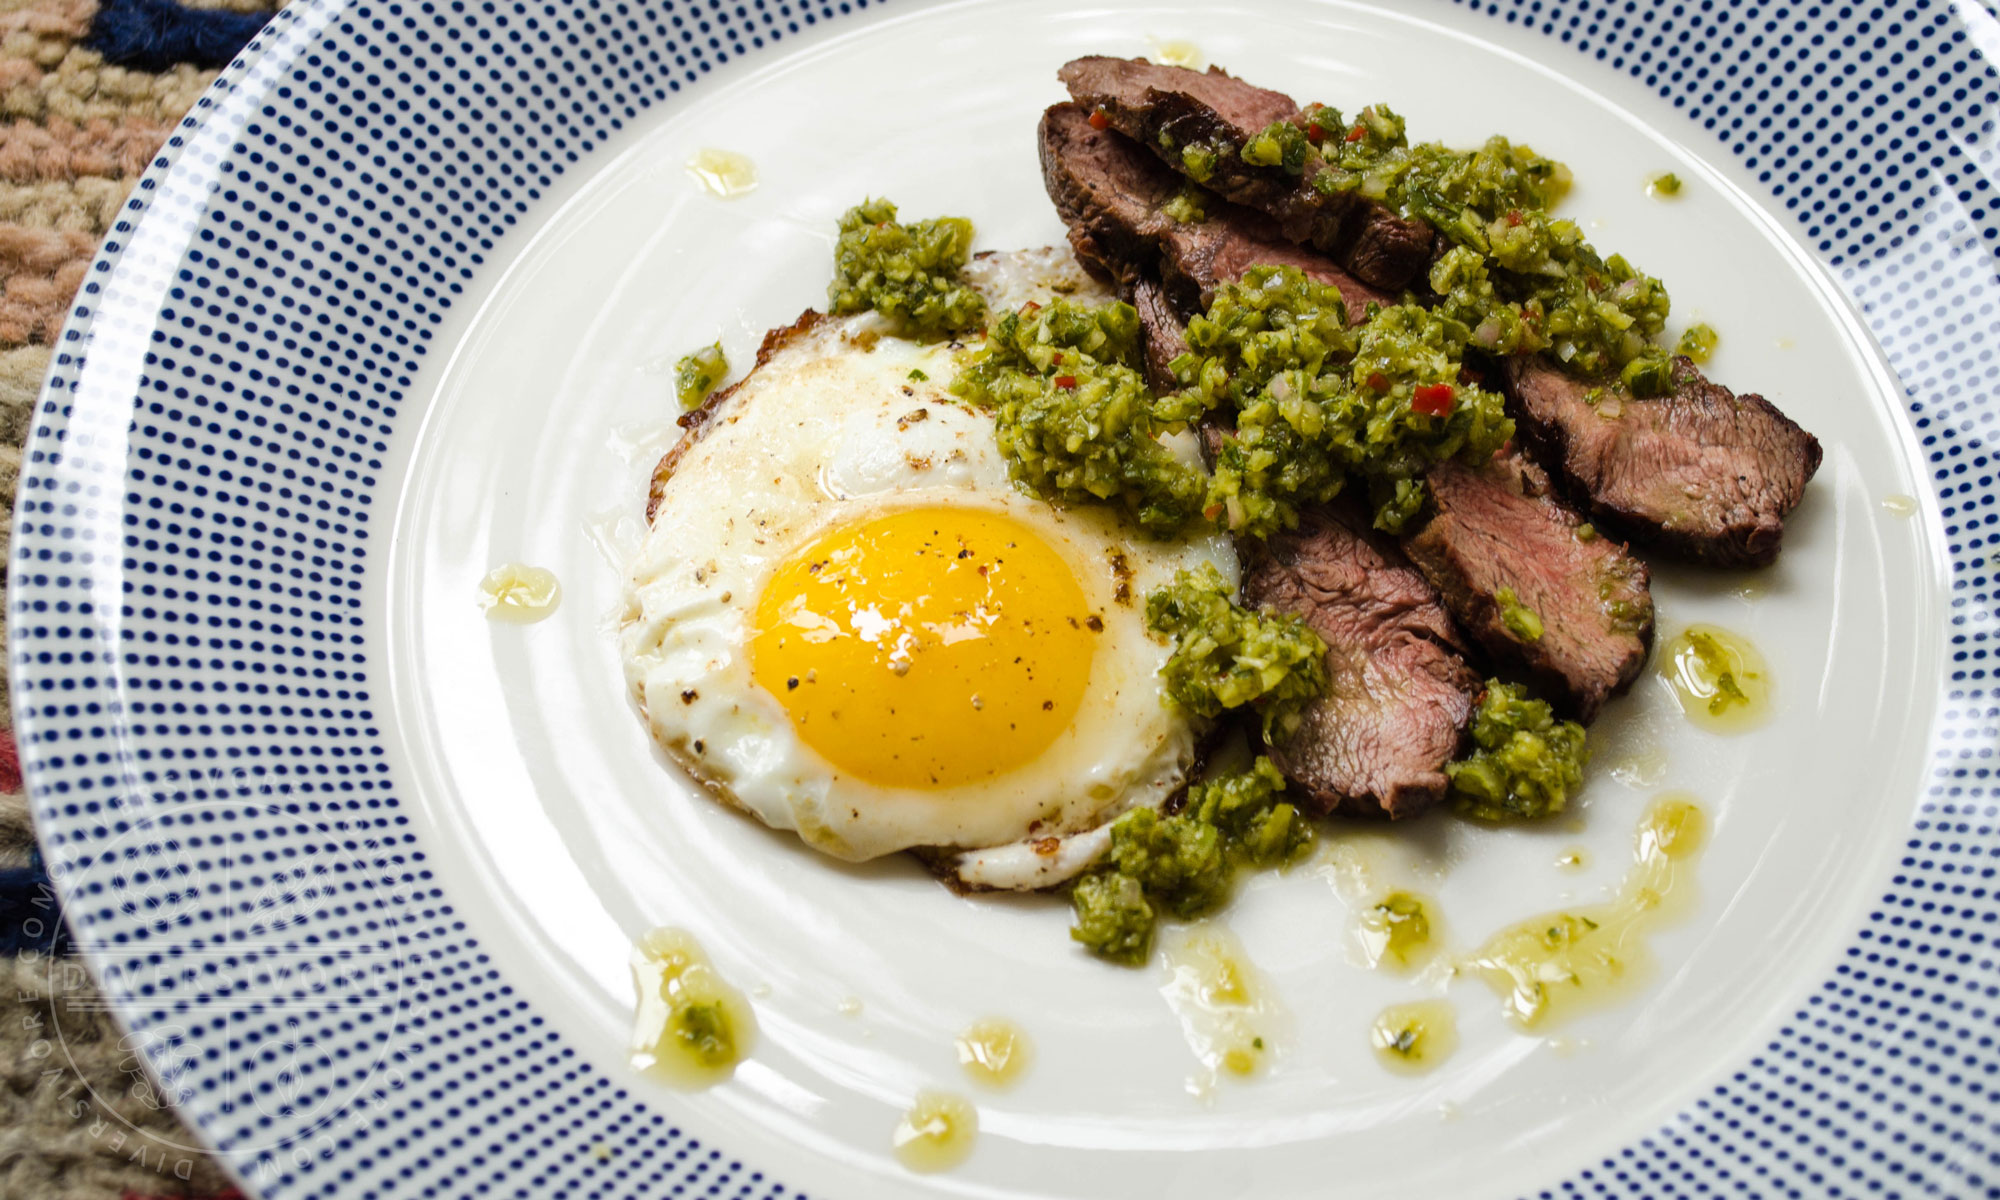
x=89 y=89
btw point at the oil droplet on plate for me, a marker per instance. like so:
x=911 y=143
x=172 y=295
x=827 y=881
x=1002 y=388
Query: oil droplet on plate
x=1551 y=966
x=937 y=1133
x=994 y=1052
x=1410 y=1039
x=519 y=594
x=723 y=173
x=1718 y=678
x=690 y=1028
x=1576 y=858
x=849 y=1006
x=1177 y=52
x=1398 y=931
x=1899 y=505
x=1226 y=1009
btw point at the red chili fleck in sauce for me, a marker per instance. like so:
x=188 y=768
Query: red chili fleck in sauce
x=1066 y=382
x=1434 y=399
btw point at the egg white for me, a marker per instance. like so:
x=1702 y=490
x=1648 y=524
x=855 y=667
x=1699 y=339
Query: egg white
x=831 y=429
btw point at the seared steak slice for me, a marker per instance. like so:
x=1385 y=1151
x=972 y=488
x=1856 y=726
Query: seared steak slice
x=1162 y=335
x=1700 y=471
x=1167 y=109
x=1399 y=695
x=1112 y=195
x=1589 y=610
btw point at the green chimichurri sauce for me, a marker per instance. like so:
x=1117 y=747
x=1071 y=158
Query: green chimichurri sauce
x=1698 y=342
x=908 y=273
x=1317 y=402
x=1521 y=621
x=1227 y=656
x=1520 y=280
x=1184 y=864
x=1076 y=421
x=1524 y=764
x=696 y=374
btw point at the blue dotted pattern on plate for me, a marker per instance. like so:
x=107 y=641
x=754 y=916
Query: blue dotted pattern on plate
x=1874 y=126
x=194 y=697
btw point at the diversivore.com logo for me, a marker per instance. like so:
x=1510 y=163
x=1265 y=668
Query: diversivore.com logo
x=249 y=948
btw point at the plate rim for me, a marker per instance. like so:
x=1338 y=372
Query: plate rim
x=291 y=32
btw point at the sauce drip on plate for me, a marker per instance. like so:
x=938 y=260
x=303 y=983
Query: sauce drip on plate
x=1225 y=1006
x=723 y=173
x=519 y=594
x=994 y=1053
x=1410 y=1039
x=691 y=1027
x=937 y=1133
x=1718 y=678
x=1549 y=967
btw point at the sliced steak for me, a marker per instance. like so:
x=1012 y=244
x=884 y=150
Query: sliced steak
x=1700 y=472
x=1113 y=195
x=1400 y=695
x=1167 y=109
x=1162 y=334
x=1500 y=527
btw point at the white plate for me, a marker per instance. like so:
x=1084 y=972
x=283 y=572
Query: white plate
x=561 y=834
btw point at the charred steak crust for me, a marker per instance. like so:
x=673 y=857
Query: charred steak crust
x=1162 y=335
x=1166 y=108
x=1700 y=471
x=1499 y=526
x=696 y=420
x=1399 y=695
x=1112 y=195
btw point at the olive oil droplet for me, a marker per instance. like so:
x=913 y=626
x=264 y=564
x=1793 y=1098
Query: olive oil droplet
x=518 y=593
x=1718 y=678
x=1899 y=505
x=690 y=1028
x=937 y=1133
x=1226 y=1009
x=1398 y=931
x=994 y=1053
x=1177 y=52
x=1412 y=1038
x=723 y=173
x=1549 y=967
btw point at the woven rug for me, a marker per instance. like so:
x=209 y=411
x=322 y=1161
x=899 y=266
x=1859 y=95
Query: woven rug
x=89 y=89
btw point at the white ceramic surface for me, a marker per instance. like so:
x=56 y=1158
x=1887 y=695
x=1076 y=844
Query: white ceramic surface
x=562 y=834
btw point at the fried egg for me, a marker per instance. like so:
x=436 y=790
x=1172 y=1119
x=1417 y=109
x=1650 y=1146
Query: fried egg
x=846 y=620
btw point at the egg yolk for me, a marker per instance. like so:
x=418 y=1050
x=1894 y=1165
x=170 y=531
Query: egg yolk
x=926 y=648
